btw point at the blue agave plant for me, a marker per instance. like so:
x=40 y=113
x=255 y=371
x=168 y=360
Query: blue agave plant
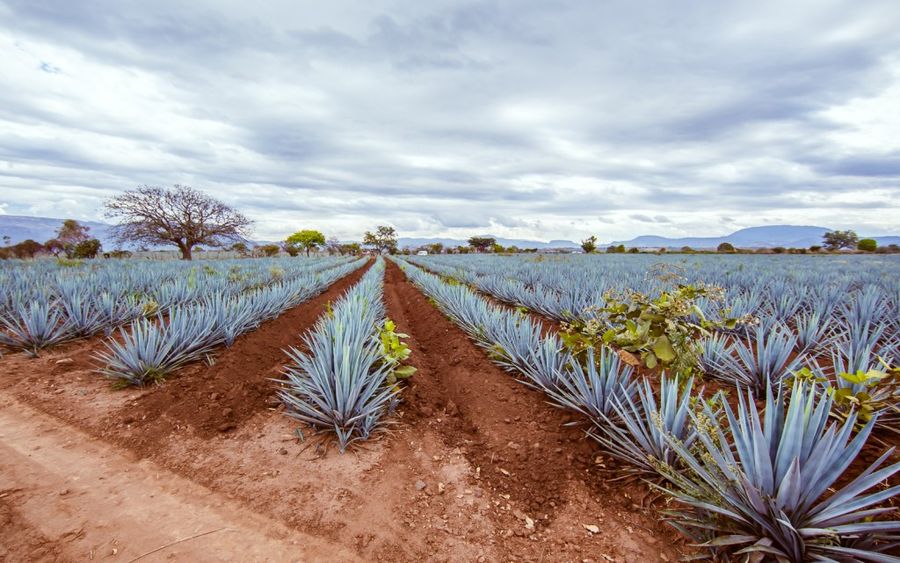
x=594 y=389
x=760 y=485
x=767 y=360
x=638 y=432
x=35 y=326
x=340 y=383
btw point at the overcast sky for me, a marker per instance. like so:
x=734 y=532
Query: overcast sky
x=527 y=119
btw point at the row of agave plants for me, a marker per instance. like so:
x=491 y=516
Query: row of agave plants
x=767 y=478
x=43 y=303
x=149 y=349
x=844 y=342
x=346 y=380
x=821 y=299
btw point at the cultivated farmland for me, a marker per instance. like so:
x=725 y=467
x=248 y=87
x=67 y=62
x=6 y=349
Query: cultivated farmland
x=451 y=408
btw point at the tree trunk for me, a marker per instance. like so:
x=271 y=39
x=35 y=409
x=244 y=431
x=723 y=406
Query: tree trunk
x=185 y=250
x=307 y=252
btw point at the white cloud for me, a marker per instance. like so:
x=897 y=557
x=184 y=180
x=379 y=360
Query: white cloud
x=539 y=120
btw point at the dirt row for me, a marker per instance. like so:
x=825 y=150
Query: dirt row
x=475 y=466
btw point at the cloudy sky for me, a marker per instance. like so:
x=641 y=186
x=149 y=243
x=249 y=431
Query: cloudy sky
x=535 y=119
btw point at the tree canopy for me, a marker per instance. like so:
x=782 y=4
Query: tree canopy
x=180 y=216
x=836 y=240
x=589 y=244
x=384 y=239
x=482 y=243
x=867 y=245
x=87 y=249
x=72 y=232
x=306 y=239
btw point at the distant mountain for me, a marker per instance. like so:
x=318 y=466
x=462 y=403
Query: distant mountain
x=788 y=236
x=452 y=242
x=42 y=229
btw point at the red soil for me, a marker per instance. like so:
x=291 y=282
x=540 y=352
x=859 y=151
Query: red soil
x=477 y=467
x=237 y=383
x=521 y=447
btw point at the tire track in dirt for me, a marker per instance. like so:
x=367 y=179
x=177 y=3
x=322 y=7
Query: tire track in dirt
x=519 y=444
x=78 y=499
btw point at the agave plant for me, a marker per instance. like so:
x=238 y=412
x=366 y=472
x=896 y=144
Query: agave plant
x=713 y=351
x=640 y=438
x=341 y=384
x=811 y=330
x=145 y=355
x=764 y=487
x=81 y=313
x=594 y=389
x=766 y=361
x=35 y=326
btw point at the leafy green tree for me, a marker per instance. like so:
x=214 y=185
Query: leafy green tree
x=72 y=232
x=269 y=249
x=435 y=248
x=589 y=245
x=351 y=248
x=240 y=248
x=482 y=243
x=725 y=247
x=87 y=248
x=26 y=249
x=69 y=235
x=836 y=240
x=867 y=245
x=306 y=239
x=384 y=239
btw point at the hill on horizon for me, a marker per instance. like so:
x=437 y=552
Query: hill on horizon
x=788 y=236
x=41 y=229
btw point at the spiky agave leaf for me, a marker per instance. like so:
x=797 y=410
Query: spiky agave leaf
x=35 y=326
x=811 y=329
x=762 y=484
x=766 y=361
x=145 y=355
x=638 y=435
x=713 y=351
x=340 y=383
x=594 y=388
x=85 y=318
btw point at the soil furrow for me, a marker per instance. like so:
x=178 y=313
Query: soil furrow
x=208 y=397
x=521 y=447
x=236 y=383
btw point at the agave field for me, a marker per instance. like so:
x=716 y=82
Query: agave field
x=482 y=407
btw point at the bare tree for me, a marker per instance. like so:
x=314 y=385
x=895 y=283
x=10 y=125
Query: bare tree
x=180 y=216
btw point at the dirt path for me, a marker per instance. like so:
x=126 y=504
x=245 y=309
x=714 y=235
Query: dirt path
x=91 y=501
